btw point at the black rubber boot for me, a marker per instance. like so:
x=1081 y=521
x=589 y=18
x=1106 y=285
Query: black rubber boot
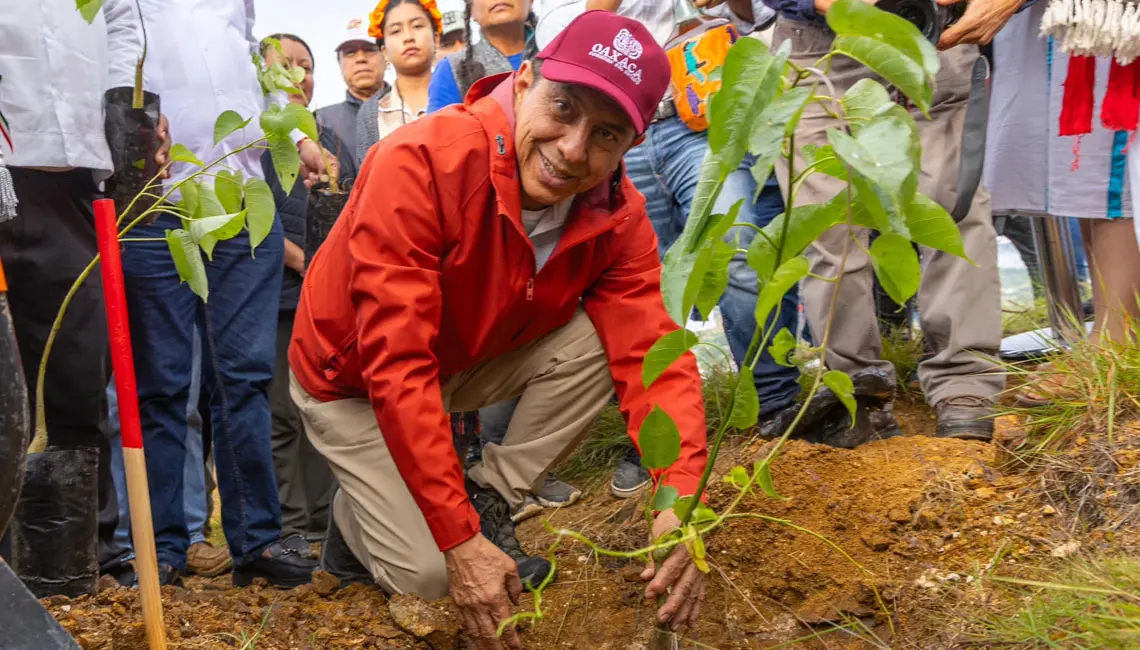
x=280 y=564
x=338 y=559
x=495 y=515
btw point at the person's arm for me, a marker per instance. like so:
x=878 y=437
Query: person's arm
x=626 y=307
x=124 y=42
x=981 y=22
x=294 y=257
x=443 y=91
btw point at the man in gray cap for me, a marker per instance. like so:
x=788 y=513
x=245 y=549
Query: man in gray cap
x=362 y=65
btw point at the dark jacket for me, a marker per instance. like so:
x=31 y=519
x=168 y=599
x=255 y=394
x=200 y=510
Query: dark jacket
x=341 y=119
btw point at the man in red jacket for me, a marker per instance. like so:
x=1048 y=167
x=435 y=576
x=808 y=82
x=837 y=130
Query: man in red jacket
x=492 y=250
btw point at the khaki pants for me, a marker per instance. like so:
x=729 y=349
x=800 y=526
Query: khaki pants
x=563 y=380
x=959 y=303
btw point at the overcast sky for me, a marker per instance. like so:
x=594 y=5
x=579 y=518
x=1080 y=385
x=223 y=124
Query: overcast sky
x=321 y=24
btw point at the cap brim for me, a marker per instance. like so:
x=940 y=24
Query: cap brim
x=367 y=40
x=569 y=73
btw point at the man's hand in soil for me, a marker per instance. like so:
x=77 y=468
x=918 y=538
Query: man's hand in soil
x=484 y=583
x=678 y=577
x=981 y=22
x=313 y=157
x=162 y=155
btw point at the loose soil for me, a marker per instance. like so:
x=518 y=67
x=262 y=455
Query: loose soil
x=903 y=533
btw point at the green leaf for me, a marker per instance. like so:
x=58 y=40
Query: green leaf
x=659 y=440
x=208 y=231
x=750 y=80
x=855 y=18
x=665 y=498
x=139 y=164
x=880 y=153
x=738 y=477
x=306 y=122
x=807 y=223
x=772 y=291
x=191 y=202
x=896 y=263
x=932 y=226
x=825 y=160
x=840 y=384
x=89 y=9
x=703 y=514
x=664 y=353
x=697 y=551
x=863 y=101
x=688 y=259
x=889 y=63
x=228 y=188
x=768 y=132
x=277 y=121
x=763 y=471
x=682 y=506
x=885 y=154
x=209 y=204
x=261 y=211
x=782 y=345
x=181 y=153
x=188 y=261
x=297 y=74
x=227 y=124
x=715 y=276
x=286 y=162
x=745 y=402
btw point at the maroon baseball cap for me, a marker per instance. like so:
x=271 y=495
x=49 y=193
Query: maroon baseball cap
x=614 y=55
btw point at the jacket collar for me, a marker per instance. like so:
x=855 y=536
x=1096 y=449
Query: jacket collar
x=492 y=100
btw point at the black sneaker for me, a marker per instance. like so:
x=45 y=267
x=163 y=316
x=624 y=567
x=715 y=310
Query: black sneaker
x=280 y=564
x=630 y=478
x=495 y=516
x=168 y=575
x=827 y=420
x=338 y=559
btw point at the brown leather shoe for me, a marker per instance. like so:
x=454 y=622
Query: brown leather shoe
x=207 y=560
x=965 y=417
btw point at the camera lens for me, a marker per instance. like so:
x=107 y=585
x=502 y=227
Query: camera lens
x=923 y=14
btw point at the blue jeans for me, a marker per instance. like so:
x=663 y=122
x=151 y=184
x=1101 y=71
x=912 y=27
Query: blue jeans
x=238 y=325
x=666 y=168
x=193 y=474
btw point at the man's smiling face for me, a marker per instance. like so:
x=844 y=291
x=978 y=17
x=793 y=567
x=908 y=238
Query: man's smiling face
x=568 y=138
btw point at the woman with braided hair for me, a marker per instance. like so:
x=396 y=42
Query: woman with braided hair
x=407 y=32
x=506 y=27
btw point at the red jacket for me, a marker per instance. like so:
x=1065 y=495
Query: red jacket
x=428 y=272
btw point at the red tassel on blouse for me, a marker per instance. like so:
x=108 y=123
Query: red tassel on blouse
x=1077 y=105
x=1121 y=108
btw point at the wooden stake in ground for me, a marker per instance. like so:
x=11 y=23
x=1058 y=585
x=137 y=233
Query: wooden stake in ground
x=122 y=360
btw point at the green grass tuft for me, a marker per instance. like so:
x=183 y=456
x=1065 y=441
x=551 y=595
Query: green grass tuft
x=1090 y=605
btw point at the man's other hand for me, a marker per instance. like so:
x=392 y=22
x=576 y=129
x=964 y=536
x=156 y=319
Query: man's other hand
x=981 y=22
x=484 y=583
x=162 y=155
x=677 y=576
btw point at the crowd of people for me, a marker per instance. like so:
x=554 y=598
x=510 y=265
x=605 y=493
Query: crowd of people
x=494 y=279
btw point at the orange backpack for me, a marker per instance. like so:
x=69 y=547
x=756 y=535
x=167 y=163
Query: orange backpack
x=692 y=57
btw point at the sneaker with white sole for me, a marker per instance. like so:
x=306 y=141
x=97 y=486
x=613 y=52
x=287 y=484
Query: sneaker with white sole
x=630 y=478
x=556 y=494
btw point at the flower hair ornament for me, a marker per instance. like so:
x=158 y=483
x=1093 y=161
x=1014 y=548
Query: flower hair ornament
x=376 y=18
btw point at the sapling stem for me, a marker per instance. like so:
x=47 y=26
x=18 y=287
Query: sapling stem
x=39 y=441
x=137 y=97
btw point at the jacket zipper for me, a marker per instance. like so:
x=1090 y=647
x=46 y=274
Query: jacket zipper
x=530 y=289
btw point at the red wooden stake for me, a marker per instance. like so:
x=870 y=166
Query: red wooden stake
x=123 y=363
